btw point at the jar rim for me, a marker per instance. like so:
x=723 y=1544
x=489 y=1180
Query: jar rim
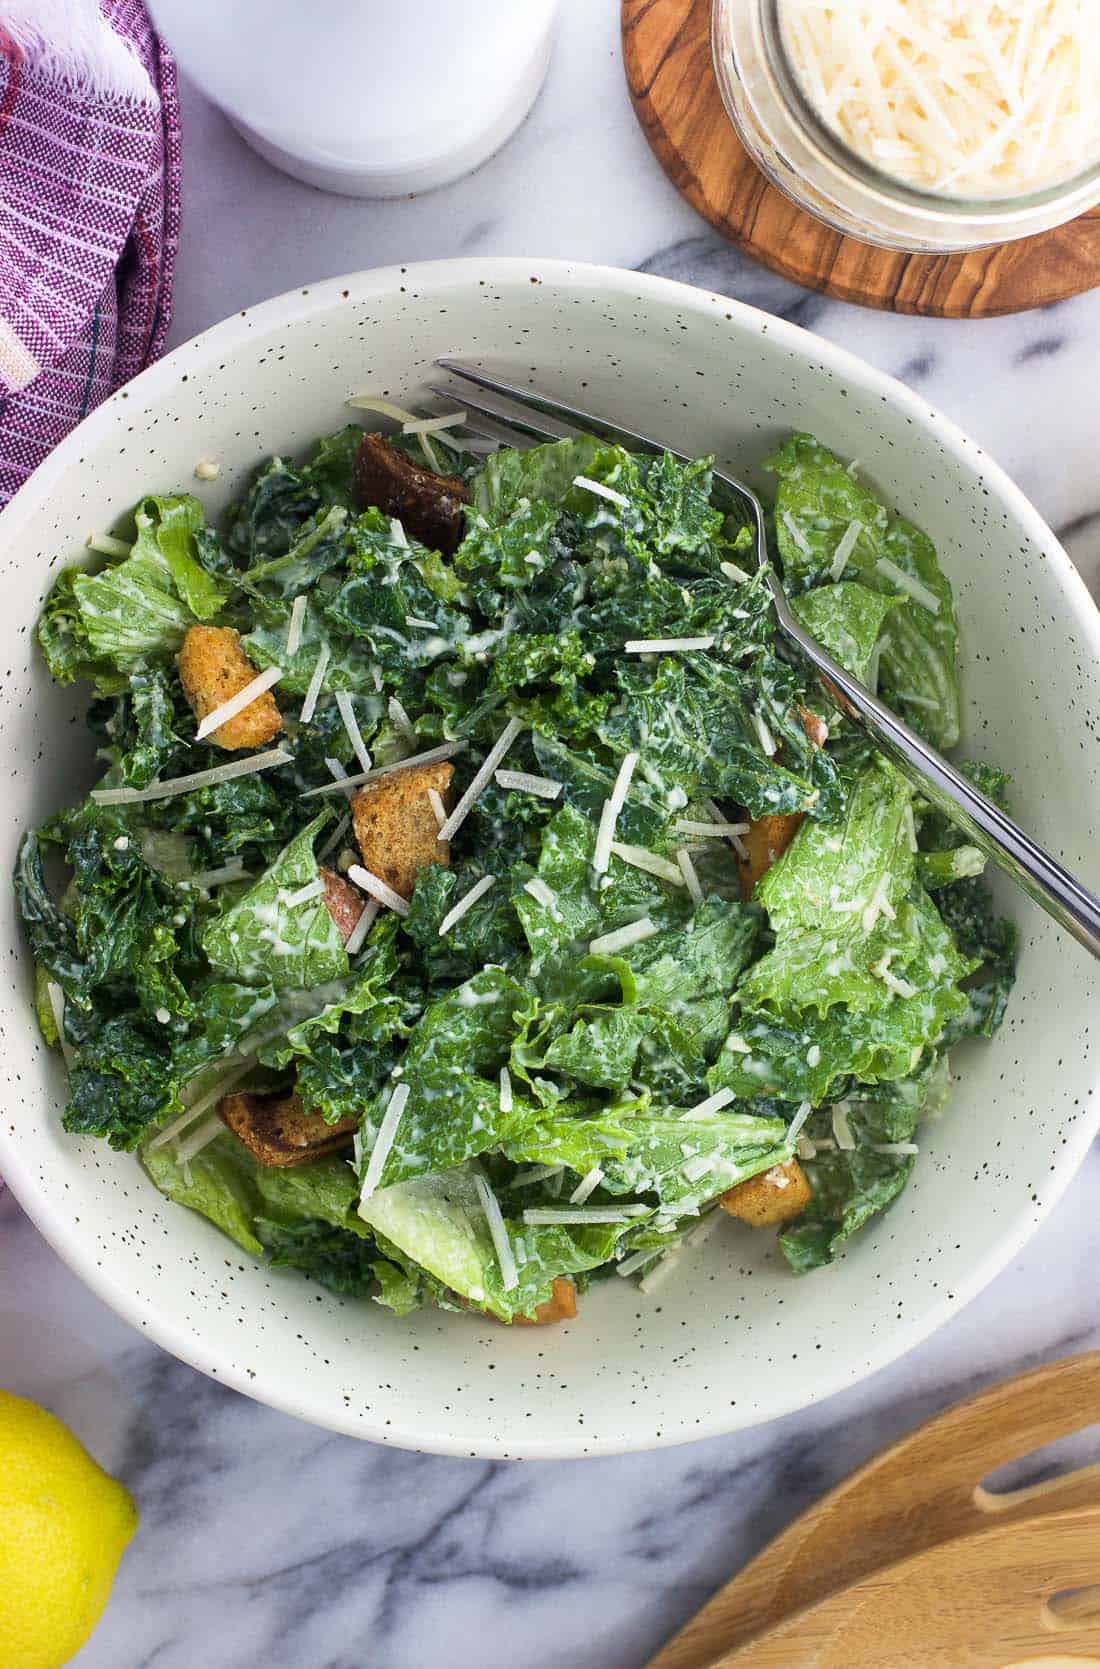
x=833 y=149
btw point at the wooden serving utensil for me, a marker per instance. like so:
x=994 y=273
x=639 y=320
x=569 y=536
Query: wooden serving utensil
x=923 y=1491
x=992 y=1600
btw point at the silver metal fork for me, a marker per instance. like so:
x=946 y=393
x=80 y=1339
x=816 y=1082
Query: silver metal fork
x=536 y=415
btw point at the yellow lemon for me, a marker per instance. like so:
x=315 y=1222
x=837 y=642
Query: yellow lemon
x=64 y=1524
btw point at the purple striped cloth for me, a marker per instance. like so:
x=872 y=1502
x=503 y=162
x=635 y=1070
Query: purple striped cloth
x=89 y=213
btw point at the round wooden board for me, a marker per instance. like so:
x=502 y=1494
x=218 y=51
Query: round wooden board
x=666 y=49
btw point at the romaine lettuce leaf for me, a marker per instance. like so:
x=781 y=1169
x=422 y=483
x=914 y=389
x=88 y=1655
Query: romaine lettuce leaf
x=166 y=528
x=134 y=611
x=219 y=1183
x=695 y=735
x=579 y=910
x=438 y=1222
x=817 y=501
x=848 y=1189
x=847 y=619
x=264 y=939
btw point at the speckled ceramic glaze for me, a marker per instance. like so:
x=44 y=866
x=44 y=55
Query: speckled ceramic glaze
x=732 y=1338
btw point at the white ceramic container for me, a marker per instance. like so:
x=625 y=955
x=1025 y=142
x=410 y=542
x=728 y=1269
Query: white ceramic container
x=366 y=97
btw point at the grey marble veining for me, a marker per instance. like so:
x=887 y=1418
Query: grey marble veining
x=267 y=1543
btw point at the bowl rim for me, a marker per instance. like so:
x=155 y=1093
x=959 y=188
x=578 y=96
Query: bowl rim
x=183 y=1341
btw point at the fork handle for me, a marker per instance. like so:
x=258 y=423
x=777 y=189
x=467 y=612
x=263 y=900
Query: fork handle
x=1053 y=888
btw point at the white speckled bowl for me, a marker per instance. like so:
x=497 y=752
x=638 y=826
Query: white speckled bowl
x=733 y=1339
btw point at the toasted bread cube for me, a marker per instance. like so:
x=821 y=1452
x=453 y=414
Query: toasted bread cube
x=431 y=507
x=766 y=840
x=344 y=903
x=396 y=827
x=771 y=1198
x=213 y=667
x=277 y=1130
x=560 y=1306
x=815 y=729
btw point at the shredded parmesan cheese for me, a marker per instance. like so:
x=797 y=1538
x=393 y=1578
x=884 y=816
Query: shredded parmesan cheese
x=304 y=895
x=609 y=814
x=527 y=783
x=446 y=750
x=632 y=934
x=601 y=491
x=639 y=857
x=433 y=425
x=666 y=645
x=846 y=544
x=197 y=779
x=294 y=626
x=733 y=572
x=384 y=408
x=481 y=779
x=203 y=879
x=795 y=532
x=498 y=1231
x=223 y=1085
x=537 y=889
x=369 y=882
x=339 y=775
x=367 y=917
x=690 y=875
x=805 y=1108
x=465 y=903
x=401 y=722
x=713 y=1104
x=384 y=1141
x=661 y=1270
x=334 y=838
x=309 y=705
x=346 y=707
x=583 y=1214
x=697 y=1168
x=894 y=1147
x=767 y=740
x=534 y=1173
x=842 y=1130
x=973 y=99
x=506 y=1102
x=915 y=588
x=435 y=800
x=57 y=1006
x=199 y=1138
x=105 y=544
x=712 y=831
x=587 y=1185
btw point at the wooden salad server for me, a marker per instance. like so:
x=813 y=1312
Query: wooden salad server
x=1017 y=1592
x=921 y=1492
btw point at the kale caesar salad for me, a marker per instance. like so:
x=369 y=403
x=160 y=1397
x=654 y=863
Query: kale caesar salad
x=476 y=900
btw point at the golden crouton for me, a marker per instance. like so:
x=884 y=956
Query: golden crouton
x=766 y=840
x=560 y=1306
x=771 y=1198
x=429 y=506
x=277 y=1131
x=815 y=729
x=213 y=667
x=343 y=902
x=396 y=827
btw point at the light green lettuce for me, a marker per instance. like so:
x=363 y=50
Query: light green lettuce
x=264 y=938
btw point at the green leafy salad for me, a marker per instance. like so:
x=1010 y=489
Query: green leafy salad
x=476 y=899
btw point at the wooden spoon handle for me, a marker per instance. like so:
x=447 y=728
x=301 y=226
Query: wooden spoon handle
x=921 y=1491
x=975 y=1602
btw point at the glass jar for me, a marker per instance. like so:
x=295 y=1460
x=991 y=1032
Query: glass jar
x=811 y=163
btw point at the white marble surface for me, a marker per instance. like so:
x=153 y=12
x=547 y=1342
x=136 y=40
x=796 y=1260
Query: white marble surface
x=265 y=1542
